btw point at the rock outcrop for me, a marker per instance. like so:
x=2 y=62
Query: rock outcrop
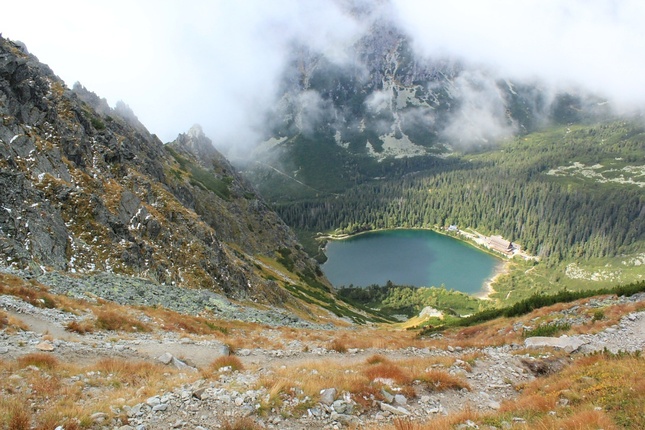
x=85 y=188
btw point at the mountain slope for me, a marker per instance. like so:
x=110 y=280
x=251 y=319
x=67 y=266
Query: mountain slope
x=86 y=188
x=386 y=111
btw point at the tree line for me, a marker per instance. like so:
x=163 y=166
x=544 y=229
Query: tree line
x=505 y=191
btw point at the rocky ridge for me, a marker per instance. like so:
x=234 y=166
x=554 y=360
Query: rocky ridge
x=86 y=189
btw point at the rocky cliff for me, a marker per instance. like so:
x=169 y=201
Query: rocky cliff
x=85 y=188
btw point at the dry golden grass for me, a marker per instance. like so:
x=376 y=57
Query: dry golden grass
x=376 y=359
x=132 y=373
x=387 y=371
x=174 y=321
x=57 y=397
x=246 y=423
x=11 y=324
x=41 y=360
x=440 y=423
x=109 y=319
x=362 y=380
x=4 y=320
x=37 y=294
x=225 y=361
x=366 y=338
x=14 y=414
x=46 y=394
x=405 y=424
x=440 y=380
x=337 y=345
x=613 y=383
x=579 y=420
x=80 y=327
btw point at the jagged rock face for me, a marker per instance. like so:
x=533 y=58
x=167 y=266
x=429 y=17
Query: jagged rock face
x=87 y=188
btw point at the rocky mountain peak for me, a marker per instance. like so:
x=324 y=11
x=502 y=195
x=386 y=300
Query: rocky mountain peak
x=196 y=132
x=197 y=143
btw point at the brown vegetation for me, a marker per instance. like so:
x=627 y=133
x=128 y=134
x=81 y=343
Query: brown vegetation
x=230 y=361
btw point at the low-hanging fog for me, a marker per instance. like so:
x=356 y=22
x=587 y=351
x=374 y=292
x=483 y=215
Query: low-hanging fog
x=220 y=63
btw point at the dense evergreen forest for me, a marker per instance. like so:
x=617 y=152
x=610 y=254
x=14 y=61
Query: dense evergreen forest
x=595 y=208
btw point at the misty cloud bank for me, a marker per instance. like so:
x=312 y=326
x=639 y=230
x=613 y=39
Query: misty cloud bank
x=222 y=64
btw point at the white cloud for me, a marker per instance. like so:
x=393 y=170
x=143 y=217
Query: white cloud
x=595 y=44
x=218 y=62
x=481 y=117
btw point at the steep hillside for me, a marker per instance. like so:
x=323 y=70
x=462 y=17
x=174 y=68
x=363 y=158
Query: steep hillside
x=85 y=188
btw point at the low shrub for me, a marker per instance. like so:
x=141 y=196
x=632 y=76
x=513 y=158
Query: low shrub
x=547 y=330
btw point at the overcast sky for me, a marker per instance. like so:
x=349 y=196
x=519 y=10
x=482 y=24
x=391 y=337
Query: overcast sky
x=217 y=62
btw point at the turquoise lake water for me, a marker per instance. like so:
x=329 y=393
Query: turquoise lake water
x=408 y=257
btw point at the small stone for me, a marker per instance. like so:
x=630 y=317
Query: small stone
x=314 y=412
x=153 y=401
x=387 y=396
x=451 y=349
x=4 y=350
x=45 y=346
x=98 y=417
x=327 y=396
x=493 y=404
x=180 y=365
x=160 y=407
x=339 y=406
x=136 y=410
x=200 y=393
x=166 y=358
x=400 y=400
x=396 y=410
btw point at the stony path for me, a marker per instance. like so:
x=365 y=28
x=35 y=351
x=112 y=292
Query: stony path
x=492 y=378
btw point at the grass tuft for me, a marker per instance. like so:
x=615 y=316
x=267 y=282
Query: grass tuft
x=41 y=360
x=80 y=327
x=114 y=321
x=338 y=346
x=440 y=380
x=226 y=361
x=17 y=416
x=377 y=359
x=245 y=423
x=387 y=371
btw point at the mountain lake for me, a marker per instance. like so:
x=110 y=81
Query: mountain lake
x=420 y=258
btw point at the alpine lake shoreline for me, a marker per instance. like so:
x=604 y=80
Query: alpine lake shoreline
x=503 y=266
